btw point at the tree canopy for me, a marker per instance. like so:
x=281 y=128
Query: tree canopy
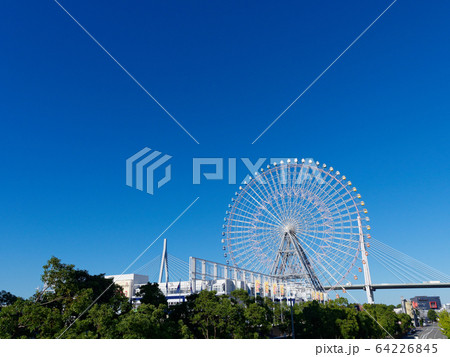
x=94 y=307
x=432 y=315
x=6 y=298
x=444 y=322
x=151 y=294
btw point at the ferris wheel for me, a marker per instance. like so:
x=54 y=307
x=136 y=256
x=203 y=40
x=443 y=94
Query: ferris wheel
x=299 y=221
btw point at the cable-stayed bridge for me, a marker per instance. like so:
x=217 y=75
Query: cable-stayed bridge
x=406 y=271
x=297 y=229
x=401 y=270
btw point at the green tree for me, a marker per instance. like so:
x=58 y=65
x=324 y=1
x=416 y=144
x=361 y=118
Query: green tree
x=386 y=317
x=94 y=307
x=432 y=315
x=405 y=322
x=211 y=314
x=368 y=328
x=348 y=327
x=444 y=322
x=334 y=319
x=181 y=315
x=72 y=291
x=67 y=293
x=6 y=298
x=9 y=321
x=148 y=321
x=241 y=296
x=256 y=323
x=151 y=294
x=252 y=318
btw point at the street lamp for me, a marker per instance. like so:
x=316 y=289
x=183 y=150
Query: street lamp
x=291 y=303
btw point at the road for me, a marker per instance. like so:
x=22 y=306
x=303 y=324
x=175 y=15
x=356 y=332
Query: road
x=429 y=332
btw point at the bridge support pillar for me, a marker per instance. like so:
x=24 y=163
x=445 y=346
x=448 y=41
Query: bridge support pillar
x=369 y=293
x=365 y=261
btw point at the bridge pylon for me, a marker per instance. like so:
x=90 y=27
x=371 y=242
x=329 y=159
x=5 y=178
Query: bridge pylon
x=164 y=268
x=365 y=261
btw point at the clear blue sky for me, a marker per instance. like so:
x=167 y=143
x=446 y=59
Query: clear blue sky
x=70 y=117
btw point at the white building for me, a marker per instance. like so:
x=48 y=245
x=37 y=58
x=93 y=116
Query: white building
x=130 y=284
x=223 y=279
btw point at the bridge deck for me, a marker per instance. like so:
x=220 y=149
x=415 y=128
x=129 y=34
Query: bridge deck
x=393 y=286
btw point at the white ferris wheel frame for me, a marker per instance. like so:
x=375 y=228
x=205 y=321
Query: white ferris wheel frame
x=283 y=198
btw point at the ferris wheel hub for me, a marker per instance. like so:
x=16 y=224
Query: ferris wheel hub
x=290 y=229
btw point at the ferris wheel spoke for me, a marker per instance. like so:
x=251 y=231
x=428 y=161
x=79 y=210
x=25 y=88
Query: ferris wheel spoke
x=273 y=193
x=335 y=249
x=354 y=249
x=268 y=190
x=315 y=255
x=330 y=204
x=245 y=219
x=254 y=264
x=313 y=236
x=319 y=184
x=312 y=198
x=258 y=207
x=334 y=191
x=317 y=217
x=327 y=261
x=343 y=204
x=248 y=229
x=314 y=259
x=262 y=205
x=332 y=263
x=329 y=274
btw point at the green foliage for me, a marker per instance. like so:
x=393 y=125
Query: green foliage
x=348 y=327
x=444 y=322
x=432 y=315
x=406 y=322
x=389 y=323
x=151 y=294
x=6 y=298
x=212 y=315
x=235 y=316
x=148 y=321
x=67 y=294
x=339 y=319
x=94 y=307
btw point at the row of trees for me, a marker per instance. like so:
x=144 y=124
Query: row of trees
x=444 y=323
x=339 y=319
x=66 y=302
